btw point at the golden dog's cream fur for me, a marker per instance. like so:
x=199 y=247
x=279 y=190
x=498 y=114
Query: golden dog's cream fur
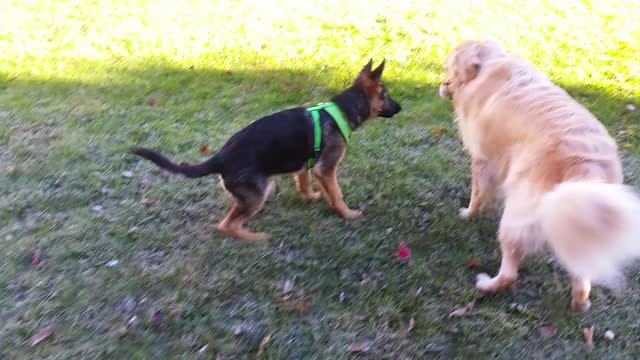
x=552 y=160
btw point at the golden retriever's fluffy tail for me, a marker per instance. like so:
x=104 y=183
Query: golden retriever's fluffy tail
x=592 y=228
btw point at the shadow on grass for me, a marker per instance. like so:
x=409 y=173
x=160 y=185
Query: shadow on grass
x=65 y=145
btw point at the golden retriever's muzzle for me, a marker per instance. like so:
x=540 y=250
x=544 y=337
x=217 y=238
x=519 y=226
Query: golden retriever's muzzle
x=444 y=91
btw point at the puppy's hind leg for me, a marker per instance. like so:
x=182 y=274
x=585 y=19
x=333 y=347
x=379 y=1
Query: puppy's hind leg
x=249 y=199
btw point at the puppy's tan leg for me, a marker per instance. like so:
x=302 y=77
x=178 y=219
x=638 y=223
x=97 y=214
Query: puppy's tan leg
x=249 y=200
x=483 y=186
x=304 y=187
x=333 y=194
x=580 y=289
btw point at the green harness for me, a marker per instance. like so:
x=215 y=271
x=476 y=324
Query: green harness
x=335 y=113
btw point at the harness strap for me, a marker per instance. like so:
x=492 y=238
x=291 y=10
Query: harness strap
x=335 y=113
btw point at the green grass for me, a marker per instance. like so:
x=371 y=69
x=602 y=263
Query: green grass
x=82 y=81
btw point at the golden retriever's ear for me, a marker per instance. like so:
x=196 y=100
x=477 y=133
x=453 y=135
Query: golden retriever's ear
x=470 y=64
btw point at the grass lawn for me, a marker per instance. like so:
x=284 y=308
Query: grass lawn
x=128 y=265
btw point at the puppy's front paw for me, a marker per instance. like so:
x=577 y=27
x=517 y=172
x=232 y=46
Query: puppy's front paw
x=314 y=196
x=484 y=283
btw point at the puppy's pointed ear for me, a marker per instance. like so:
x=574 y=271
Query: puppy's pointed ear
x=377 y=73
x=366 y=70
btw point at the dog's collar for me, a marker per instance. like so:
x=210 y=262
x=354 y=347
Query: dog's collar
x=334 y=111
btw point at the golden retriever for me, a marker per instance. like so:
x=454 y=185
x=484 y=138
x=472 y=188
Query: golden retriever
x=551 y=159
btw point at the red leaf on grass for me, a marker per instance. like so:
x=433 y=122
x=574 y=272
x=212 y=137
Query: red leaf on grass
x=403 y=251
x=359 y=347
x=42 y=334
x=436 y=131
x=35 y=260
x=157 y=319
x=473 y=263
x=204 y=149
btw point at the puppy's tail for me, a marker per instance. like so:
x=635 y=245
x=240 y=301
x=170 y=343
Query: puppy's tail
x=211 y=166
x=592 y=228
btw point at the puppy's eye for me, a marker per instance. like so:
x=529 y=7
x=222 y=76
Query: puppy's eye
x=447 y=82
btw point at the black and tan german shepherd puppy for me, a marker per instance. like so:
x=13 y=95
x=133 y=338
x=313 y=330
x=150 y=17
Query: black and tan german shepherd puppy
x=282 y=143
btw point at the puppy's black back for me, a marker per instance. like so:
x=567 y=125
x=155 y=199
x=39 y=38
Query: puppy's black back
x=276 y=144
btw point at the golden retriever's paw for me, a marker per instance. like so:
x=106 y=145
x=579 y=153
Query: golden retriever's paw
x=350 y=214
x=465 y=213
x=580 y=307
x=484 y=283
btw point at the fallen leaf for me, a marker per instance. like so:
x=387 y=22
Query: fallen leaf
x=204 y=149
x=403 y=251
x=146 y=182
x=342 y=297
x=359 y=347
x=147 y=202
x=151 y=100
x=547 y=329
x=241 y=328
x=42 y=334
x=473 y=263
x=287 y=287
x=463 y=311
x=228 y=72
x=112 y=263
x=175 y=312
x=157 y=319
x=35 y=259
x=587 y=333
x=412 y=324
x=263 y=344
x=436 y=131
x=609 y=335
x=127 y=174
x=300 y=306
x=419 y=86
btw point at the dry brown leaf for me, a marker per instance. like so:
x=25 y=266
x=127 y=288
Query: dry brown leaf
x=228 y=72
x=547 y=329
x=587 y=333
x=412 y=325
x=359 y=347
x=463 y=311
x=42 y=334
x=147 y=202
x=263 y=344
x=436 y=131
x=473 y=263
x=204 y=149
x=300 y=306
